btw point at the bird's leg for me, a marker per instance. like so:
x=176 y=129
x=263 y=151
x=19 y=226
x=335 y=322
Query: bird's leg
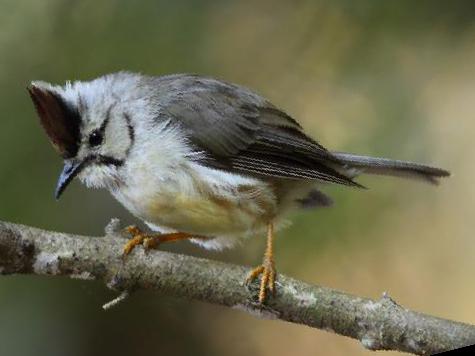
x=152 y=240
x=266 y=269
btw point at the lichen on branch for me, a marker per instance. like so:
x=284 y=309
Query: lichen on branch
x=378 y=324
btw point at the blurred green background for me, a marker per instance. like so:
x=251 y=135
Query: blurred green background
x=390 y=78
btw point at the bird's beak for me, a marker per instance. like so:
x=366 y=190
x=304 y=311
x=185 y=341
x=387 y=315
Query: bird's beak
x=70 y=170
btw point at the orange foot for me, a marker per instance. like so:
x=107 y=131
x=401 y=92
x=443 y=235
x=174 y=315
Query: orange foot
x=267 y=269
x=151 y=240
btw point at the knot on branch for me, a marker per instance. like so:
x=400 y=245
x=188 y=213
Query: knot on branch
x=375 y=332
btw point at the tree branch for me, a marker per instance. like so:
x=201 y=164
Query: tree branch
x=378 y=325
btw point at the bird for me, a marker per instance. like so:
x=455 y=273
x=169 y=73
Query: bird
x=197 y=158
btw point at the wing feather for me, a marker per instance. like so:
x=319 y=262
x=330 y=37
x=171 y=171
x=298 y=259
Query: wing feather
x=242 y=132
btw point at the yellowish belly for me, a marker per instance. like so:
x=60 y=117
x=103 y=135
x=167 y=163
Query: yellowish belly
x=199 y=200
x=208 y=215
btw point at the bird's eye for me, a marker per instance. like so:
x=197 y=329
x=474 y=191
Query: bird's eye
x=95 y=138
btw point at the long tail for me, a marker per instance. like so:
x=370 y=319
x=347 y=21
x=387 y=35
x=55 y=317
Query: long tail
x=355 y=165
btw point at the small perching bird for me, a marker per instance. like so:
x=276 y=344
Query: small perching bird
x=196 y=158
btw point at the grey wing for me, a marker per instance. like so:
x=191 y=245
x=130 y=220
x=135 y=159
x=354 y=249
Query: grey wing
x=240 y=131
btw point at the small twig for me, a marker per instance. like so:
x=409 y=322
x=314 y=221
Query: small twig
x=378 y=325
x=123 y=296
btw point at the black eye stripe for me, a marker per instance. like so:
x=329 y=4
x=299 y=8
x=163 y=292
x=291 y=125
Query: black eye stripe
x=109 y=161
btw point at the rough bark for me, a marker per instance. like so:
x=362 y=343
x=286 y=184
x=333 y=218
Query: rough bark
x=377 y=324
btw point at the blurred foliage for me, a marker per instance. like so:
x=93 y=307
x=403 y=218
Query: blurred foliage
x=392 y=78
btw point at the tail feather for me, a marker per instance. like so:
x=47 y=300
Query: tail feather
x=355 y=165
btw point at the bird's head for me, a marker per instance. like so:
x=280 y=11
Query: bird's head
x=91 y=126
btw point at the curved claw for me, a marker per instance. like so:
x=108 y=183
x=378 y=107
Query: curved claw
x=137 y=239
x=267 y=270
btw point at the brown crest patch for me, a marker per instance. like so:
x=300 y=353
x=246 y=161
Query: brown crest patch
x=59 y=120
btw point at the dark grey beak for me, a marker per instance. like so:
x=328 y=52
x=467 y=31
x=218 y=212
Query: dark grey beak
x=70 y=170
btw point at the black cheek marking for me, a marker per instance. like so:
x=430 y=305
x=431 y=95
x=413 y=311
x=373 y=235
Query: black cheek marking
x=131 y=131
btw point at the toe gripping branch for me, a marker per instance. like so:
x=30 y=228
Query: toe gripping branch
x=266 y=270
x=151 y=241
